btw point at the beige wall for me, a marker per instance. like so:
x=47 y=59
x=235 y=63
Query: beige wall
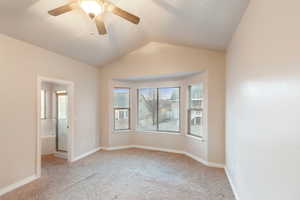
x=161 y=59
x=263 y=107
x=20 y=64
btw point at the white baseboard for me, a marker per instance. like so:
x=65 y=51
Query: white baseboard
x=215 y=165
x=204 y=162
x=86 y=154
x=231 y=184
x=158 y=149
x=117 y=148
x=34 y=177
x=196 y=158
x=17 y=184
x=63 y=155
x=141 y=147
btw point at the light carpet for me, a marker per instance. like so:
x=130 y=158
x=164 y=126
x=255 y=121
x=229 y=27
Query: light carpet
x=132 y=174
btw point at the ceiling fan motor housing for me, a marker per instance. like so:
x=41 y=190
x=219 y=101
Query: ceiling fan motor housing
x=92 y=15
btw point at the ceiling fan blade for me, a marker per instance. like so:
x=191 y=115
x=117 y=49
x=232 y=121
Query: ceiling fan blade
x=124 y=14
x=100 y=25
x=63 y=9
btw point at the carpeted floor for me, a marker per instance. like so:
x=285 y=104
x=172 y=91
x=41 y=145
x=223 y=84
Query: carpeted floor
x=132 y=174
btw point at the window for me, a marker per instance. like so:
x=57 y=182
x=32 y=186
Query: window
x=43 y=104
x=121 y=105
x=62 y=104
x=168 y=109
x=158 y=109
x=147 y=109
x=195 y=111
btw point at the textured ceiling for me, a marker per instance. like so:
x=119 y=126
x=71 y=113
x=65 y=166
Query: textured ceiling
x=197 y=23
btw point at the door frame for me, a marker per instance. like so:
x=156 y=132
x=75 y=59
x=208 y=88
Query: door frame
x=70 y=89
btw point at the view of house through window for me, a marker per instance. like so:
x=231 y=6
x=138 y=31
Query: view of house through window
x=195 y=111
x=121 y=105
x=158 y=109
x=168 y=109
x=147 y=109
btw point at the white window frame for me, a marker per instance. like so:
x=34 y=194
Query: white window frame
x=122 y=108
x=190 y=110
x=161 y=85
x=202 y=78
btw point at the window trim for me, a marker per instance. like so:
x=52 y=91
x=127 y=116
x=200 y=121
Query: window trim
x=157 y=130
x=122 y=108
x=189 y=110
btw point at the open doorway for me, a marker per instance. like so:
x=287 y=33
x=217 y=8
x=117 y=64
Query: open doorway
x=55 y=116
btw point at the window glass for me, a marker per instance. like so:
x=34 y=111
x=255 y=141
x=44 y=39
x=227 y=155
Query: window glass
x=121 y=97
x=195 y=111
x=168 y=115
x=62 y=106
x=158 y=109
x=195 y=122
x=147 y=109
x=196 y=96
x=121 y=104
x=121 y=119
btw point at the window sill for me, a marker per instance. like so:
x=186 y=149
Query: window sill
x=201 y=139
x=158 y=132
x=132 y=132
x=125 y=132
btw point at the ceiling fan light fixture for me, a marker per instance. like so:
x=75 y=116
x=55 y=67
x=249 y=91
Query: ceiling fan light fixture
x=94 y=8
x=91 y=7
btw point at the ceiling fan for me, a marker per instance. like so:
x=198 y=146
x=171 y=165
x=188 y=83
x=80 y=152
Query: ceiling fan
x=94 y=9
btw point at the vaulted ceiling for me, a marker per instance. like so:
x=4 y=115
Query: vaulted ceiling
x=197 y=23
